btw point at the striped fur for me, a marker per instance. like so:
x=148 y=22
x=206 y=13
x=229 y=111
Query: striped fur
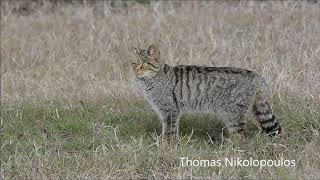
x=227 y=91
x=263 y=113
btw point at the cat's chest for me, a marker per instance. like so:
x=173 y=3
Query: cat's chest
x=157 y=90
x=152 y=89
x=160 y=96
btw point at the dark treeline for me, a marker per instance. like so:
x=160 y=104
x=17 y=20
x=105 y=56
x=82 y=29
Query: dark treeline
x=27 y=7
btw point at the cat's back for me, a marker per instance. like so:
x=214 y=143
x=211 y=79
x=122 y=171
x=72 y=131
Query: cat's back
x=206 y=75
x=201 y=88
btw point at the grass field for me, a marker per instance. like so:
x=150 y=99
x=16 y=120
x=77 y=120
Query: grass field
x=69 y=108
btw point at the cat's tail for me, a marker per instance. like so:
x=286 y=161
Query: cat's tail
x=262 y=111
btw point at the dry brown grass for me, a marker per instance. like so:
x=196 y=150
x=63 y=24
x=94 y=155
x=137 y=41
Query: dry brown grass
x=81 y=53
x=75 y=54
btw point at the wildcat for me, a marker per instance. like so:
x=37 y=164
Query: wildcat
x=227 y=91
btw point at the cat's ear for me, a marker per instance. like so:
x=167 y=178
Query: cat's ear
x=135 y=50
x=153 y=52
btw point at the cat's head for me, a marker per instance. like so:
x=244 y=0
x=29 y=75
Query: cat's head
x=147 y=63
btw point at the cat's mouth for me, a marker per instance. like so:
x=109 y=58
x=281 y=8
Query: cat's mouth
x=139 y=72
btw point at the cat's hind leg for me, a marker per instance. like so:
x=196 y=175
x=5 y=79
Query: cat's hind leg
x=235 y=126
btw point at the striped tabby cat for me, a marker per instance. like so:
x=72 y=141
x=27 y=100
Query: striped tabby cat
x=227 y=91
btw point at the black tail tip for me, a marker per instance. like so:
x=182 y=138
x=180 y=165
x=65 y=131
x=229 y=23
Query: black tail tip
x=273 y=131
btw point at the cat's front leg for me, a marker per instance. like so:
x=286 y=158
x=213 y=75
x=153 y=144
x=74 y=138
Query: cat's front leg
x=170 y=126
